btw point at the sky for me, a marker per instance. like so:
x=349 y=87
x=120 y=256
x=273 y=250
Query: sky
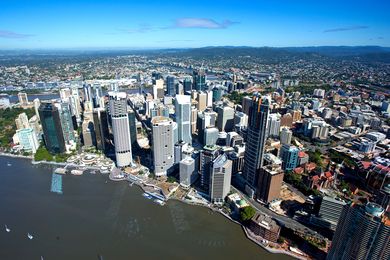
x=196 y=23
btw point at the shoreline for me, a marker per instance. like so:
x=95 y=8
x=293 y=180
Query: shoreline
x=141 y=187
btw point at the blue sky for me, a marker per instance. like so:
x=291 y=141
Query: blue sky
x=195 y=23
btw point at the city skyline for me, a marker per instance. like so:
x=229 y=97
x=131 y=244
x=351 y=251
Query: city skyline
x=119 y=24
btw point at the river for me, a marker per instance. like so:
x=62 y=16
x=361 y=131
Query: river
x=96 y=218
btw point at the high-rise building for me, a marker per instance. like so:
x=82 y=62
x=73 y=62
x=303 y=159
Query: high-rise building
x=51 y=126
x=207 y=118
x=208 y=154
x=296 y=115
x=329 y=214
x=286 y=120
x=225 y=120
x=21 y=121
x=202 y=101
x=210 y=136
x=274 y=125
x=133 y=127
x=220 y=178
x=362 y=233
x=183 y=117
x=187 y=171
x=66 y=123
x=187 y=85
x=270 y=182
x=246 y=105
x=163 y=145
x=28 y=139
x=120 y=128
x=194 y=119
x=171 y=89
x=199 y=80
x=101 y=129
x=36 y=103
x=285 y=136
x=289 y=155
x=23 y=99
x=256 y=138
x=88 y=130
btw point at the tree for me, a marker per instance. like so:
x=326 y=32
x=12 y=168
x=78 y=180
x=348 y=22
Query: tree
x=247 y=213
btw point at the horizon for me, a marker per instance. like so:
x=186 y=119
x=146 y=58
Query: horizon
x=173 y=24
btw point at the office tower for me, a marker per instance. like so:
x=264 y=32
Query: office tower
x=21 y=121
x=225 y=120
x=74 y=101
x=120 y=128
x=202 y=101
x=289 y=156
x=133 y=126
x=315 y=104
x=209 y=102
x=246 y=104
x=171 y=88
x=362 y=233
x=187 y=85
x=199 y=80
x=218 y=92
x=210 y=136
x=97 y=93
x=88 y=130
x=35 y=125
x=241 y=119
x=329 y=214
x=101 y=129
x=28 y=139
x=256 y=138
x=23 y=99
x=285 y=136
x=270 y=182
x=163 y=145
x=87 y=92
x=273 y=125
x=66 y=123
x=187 y=171
x=220 y=178
x=51 y=126
x=183 y=117
x=194 y=119
x=64 y=94
x=36 y=103
x=207 y=156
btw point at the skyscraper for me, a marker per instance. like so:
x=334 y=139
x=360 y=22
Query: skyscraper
x=66 y=122
x=207 y=156
x=274 y=125
x=51 y=126
x=220 y=178
x=100 y=121
x=28 y=139
x=270 y=181
x=362 y=233
x=187 y=85
x=256 y=138
x=289 y=155
x=199 y=80
x=120 y=128
x=23 y=99
x=225 y=120
x=285 y=136
x=171 y=89
x=163 y=145
x=183 y=117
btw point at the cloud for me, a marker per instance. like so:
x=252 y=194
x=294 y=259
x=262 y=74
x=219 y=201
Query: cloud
x=347 y=28
x=13 y=35
x=142 y=28
x=203 y=23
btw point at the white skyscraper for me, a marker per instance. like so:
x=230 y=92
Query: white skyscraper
x=285 y=136
x=273 y=125
x=120 y=128
x=163 y=145
x=183 y=117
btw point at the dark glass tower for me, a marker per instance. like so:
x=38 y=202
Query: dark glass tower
x=171 y=89
x=51 y=126
x=187 y=85
x=199 y=80
x=256 y=138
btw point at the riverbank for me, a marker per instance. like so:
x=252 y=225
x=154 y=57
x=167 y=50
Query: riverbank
x=143 y=185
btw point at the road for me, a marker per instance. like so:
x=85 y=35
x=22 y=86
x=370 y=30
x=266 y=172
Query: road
x=283 y=220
